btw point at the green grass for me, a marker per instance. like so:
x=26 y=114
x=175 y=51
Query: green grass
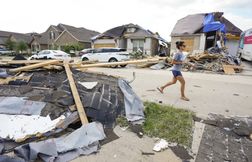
x=167 y=122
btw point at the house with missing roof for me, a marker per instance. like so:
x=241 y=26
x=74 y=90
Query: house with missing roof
x=130 y=37
x=199 y=32
x=56 y=37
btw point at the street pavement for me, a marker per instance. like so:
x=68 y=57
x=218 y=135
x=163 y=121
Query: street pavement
x=208 y=93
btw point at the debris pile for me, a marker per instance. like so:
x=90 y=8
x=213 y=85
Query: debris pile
x=213 y=60
x=62 y=113
x=225 y=139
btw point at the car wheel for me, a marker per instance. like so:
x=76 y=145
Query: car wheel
x=123 y=66
x=113 y=60
x=84 y=59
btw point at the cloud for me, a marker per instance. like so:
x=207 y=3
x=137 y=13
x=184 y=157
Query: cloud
x=156 y=15
x=168 y=3
x=241 y=22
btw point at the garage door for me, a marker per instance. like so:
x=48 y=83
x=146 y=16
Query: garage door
x=104 y=45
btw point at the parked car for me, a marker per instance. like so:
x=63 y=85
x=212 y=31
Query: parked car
x=245 y=45
x=106 y=55
x=85 y=51
x=4 y=51
x=50 y=54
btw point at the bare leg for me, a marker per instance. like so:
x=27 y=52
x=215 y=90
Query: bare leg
x=182 y=89
x=174 y=80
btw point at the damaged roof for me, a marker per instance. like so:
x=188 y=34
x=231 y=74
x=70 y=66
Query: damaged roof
x=188 y=25
x=121 y=31
x=193 y=24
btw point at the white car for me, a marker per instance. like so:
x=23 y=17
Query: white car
x=50 y=54
x=106 y=55
x=85 y=51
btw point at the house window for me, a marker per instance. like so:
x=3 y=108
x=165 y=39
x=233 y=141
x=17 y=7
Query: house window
x=138 y=44
x=131 y=30
x=52 y=35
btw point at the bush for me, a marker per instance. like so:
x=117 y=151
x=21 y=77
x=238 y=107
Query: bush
x=70 y=48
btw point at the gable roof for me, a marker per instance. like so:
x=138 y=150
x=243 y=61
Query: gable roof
x=81 y=34
x=120 y=31
x=193 y=24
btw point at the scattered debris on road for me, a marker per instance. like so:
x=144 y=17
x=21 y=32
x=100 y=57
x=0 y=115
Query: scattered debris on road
x=71 y=111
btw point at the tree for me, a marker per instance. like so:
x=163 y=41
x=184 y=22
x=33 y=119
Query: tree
x=22 y=46
x=10 y=45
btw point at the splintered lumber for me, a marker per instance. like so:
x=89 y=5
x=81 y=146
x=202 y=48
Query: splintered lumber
x=34 y=66
x=228 y=69
x=76 y=96
x=14 y=78
x=121 y=63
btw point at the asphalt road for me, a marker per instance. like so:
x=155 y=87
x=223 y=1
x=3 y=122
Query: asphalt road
x=208 y=93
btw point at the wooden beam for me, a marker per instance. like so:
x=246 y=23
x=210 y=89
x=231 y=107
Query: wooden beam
x=76 y=96
x=16 y=62
x=122 y=63
x=34 y=66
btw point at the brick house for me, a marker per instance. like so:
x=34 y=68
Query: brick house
x=55 y=37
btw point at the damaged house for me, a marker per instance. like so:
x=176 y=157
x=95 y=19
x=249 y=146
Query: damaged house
x=132 y=38
x=56 y=37
x=199 y=32
x=72 y=112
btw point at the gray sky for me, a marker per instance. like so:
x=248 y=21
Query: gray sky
x=100 y=15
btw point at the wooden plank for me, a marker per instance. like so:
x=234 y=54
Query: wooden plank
x=76 y=96
x=16 y=62
x=228 y=69
x=156 y=60
x=34 y=66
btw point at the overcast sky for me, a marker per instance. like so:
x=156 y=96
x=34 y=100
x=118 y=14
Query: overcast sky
x=100 y=15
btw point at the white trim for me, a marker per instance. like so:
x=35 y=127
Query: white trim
x=68 y=33
x=55 y=28
x=50 y=27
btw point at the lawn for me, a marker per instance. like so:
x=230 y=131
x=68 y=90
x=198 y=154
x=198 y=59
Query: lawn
x=167 y=122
